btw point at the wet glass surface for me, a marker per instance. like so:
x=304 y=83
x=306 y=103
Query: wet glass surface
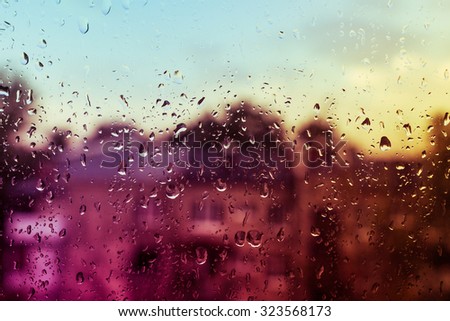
x=224 y=151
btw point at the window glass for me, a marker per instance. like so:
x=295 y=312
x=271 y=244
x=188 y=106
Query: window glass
x=224 y=150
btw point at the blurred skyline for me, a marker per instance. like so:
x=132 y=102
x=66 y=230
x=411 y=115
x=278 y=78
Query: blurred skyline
x=385 y=61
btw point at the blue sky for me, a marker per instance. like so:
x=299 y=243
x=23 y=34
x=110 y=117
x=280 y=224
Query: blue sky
x=387 y=55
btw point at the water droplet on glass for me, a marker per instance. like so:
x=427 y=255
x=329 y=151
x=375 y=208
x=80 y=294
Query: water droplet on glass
x=316 y=107
x=83 y=159
x=408 y=129
x=315 y=231
x=29 y=229
x=239 y=238
x=49 y=197
x=82 y=209
x=158 y=238
x=83 y=25
x=80 y=278
x=264 y=193
x=180 y=128
x=385 y=144
x=254 y=238
x=280 y=235
x=25 y=59
x=446 y=119
x=178 y=77
x=4 y=91
x=29 y=97
x=172 y=191
x=106 y=7
x=201 y=255
x=446 y=74
x=32 y=111
x=375 y=287
x=42 y=44
x=200 y=101
x=122 y=97
x=366 y=123
x=40 y=186
x=31 y=293
x=319 y=272
x=122 y=169
x=62 y=233
x=221 y=186
x=126 y=4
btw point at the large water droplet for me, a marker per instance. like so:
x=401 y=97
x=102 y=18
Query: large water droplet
x=385 y=144
x=316 y=107
x=446 y=119
x=40 y=186
x=239 y=238
x=83 y=25
x=80 y=278
x=25 y=59
x=201 y=255
x=180 y=128
x=106 y=7
x=4 y=91
x=221 y=186
x=82 y=209
x=172 y=191
x=366 y=123
x=254 y=238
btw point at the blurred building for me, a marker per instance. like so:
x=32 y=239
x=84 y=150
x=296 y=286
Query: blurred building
x=226 y=208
